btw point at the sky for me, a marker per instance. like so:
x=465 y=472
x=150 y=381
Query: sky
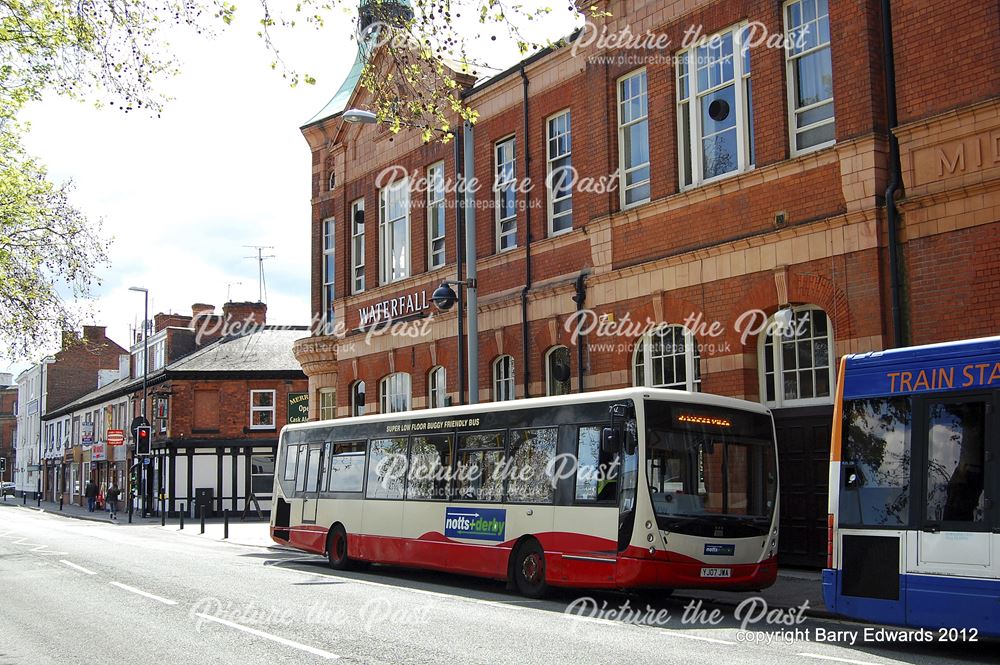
x=225 y=166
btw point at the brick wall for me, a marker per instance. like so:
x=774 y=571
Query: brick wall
x=233 y=407
x=74 y=372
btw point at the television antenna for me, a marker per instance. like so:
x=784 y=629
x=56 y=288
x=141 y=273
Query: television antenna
x=261 y=283
x=229 y=288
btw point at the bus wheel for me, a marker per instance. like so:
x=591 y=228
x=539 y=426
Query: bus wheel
x=529 y=570
x=337 y=548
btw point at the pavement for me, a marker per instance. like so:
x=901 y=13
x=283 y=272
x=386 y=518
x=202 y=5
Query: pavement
x=80 y=591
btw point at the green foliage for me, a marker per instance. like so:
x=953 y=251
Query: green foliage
x=49 y=252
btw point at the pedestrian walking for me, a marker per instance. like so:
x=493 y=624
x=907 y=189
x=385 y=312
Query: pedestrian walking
x=111 y=497
x=91 y=493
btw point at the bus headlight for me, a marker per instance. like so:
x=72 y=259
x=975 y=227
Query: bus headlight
x=649 y=537
x=652 y=550
x=649 y=525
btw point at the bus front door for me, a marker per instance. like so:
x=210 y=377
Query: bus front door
x=313 y=482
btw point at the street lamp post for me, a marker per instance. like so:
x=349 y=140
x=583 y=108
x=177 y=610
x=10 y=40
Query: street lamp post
x=443 y=296
x=145 y=373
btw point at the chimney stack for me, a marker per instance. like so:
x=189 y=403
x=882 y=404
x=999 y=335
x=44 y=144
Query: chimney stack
x=248 y=314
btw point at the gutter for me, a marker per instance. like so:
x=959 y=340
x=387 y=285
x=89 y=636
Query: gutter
x=895 y=181
x=525 y=332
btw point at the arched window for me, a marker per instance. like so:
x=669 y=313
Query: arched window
x=394 y=393
x=557 y=371
x=437 y=387
x=667 y=357
x=503 y=379
x=358 y=398
x=795 y=363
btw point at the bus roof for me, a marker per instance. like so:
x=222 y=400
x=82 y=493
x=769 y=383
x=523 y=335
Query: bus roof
x=536 y=402
x=971 y=364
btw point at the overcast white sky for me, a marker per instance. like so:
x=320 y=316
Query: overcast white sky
x=225 y=166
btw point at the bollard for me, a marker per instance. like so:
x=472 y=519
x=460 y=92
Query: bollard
x=131 y=503
x=24 y=498
x=182 y=511
x=202 y=511
x=225 y=526
x=163 y=514
x=38 y=498
x=60 y=503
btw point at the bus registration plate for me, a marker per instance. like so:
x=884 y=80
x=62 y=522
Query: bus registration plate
x=716 y=572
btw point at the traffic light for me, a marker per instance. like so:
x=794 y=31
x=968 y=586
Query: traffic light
x=142 y=440
x=134 y=480
x=3 y=465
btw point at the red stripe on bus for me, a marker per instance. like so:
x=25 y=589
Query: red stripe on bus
x=634 y=567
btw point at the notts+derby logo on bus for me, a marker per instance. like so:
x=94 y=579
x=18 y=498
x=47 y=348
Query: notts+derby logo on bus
x=478 y=523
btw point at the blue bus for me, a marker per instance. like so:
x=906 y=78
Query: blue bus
x=914 y=525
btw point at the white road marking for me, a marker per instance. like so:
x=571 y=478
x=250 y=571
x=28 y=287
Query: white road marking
x=837 y=660
x=80 y=568
x=504 y=605
x=268 y=636
x=165 y=601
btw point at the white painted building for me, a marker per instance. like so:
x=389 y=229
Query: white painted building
x=31 y=396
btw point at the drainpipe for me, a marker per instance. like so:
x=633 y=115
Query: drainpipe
x=895 y=182
x=459 y=141
x=580 y=298
x=526 y=363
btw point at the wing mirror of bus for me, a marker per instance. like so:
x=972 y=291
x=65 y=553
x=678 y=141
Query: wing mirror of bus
x=630 y=444
x=610 y=440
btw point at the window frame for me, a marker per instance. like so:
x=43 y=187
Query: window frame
x=499 y=383
x=438 y=202
x=329 y=269
x=779 y=399
x=692 y=360
x=273 y=409
x=498 y=185
x=357 y=409
x=742 y=71
x=433 y=388
x=357 y=253
x=385 y=225
x=549 y=379
x=622 y=170
x=383 y=396
x=331 y=408
x=790 y=83
x=549 y=161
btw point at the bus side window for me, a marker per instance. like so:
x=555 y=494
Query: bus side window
x=347 y=467
x=429 y=468
x=386 y=468
x=530 y=474
x=596 y=469
x=291 y=454
x=479 y=458
x=300 y=469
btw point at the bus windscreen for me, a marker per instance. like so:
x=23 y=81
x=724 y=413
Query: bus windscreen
x=710 y=468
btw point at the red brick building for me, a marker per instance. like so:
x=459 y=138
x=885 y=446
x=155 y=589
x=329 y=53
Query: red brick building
x=8 y=425
x=746 y=179
x=219 y=388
